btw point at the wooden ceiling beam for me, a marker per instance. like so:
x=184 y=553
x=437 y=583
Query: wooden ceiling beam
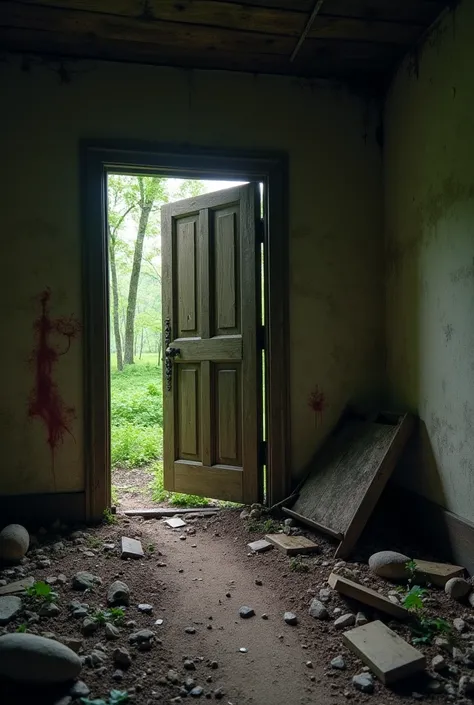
x=317 y=7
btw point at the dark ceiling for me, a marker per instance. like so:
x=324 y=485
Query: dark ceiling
x=340 y=39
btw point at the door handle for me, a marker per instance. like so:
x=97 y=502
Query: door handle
x=172 y=352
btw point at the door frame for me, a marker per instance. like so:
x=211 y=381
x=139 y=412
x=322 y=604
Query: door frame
x=98 y=157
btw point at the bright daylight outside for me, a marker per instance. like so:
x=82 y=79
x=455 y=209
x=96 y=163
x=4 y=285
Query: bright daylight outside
x=136 y=347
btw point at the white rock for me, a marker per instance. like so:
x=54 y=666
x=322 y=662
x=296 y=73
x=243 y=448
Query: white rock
x=31 y=658
x=457 y=588
x=361 y=619
x=14 y=542
x=438 y=663
x=459 y=624
x=10 y=605
x=389 y=564
x=346 y=620
x=364 y=682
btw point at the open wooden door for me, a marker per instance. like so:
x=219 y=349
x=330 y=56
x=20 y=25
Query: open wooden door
x=211 y=313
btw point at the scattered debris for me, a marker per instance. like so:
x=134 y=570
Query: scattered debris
x=389 y=564
x=131 y=548
x=387 y=654
x=14 y=543
x=260 y=546
x=292 y=545
x=175 y=522
x=366 y=595
x=290 y=618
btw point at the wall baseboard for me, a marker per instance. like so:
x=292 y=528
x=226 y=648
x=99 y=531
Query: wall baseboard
x=448 y=535
x=35 y=510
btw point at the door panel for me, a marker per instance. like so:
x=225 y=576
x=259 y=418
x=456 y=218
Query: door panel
x=212 y=425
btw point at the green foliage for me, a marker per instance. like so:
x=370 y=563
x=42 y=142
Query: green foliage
x=21 y=629
x=176 y=499
x=113 y=614
x=413 y=600
x=115 y=698
x=263 y=526
x=109 y=516
x=299 y=565
x=423 y=628
x=42 y=592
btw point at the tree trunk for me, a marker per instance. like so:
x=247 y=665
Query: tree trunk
x=115 y=305
x=145 y=209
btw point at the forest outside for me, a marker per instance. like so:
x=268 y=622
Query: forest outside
x=134 y=204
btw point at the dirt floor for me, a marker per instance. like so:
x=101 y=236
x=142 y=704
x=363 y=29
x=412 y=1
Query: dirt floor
x=133 y=488
x=196 y=580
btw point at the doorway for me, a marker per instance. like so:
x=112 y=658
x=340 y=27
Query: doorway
x=198 y=359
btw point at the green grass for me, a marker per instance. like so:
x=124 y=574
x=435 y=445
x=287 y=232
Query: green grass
x=174 y=498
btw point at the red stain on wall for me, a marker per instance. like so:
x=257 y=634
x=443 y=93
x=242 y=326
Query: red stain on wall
x=53 y=339
x=317 y=403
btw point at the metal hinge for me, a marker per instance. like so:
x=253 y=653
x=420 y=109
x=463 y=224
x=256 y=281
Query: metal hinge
x=262 y=453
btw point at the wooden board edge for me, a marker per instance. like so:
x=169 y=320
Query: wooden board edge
x=337 y=581
x=376 y=487
x=312 y=524
x=159 y=512
x=292 y=551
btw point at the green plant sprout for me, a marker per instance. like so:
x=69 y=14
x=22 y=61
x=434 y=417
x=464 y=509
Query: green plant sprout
x=21 y=629
x=424 y=628
x=115 y=698
x=41 y=591
x=114 y=614
x=299 y=565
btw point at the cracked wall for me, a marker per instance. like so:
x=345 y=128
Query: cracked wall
x=429 y=231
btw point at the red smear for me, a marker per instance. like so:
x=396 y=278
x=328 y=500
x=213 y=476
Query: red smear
x=45 y=400
x=317 y=402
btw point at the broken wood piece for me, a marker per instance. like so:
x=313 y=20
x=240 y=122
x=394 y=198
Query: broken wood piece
x=175 y=522
x=131 y=548
x=389 y=656
x=366 y=595
x=438 y=573
x=260 y=546
x=160 y=512
x=17 y=586
x=348 y=474
x=292 y=545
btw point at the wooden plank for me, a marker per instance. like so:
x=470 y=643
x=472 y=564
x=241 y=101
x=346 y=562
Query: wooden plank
x=389 y=656
x=160 y=512
x=17 y=586
x=366 y=595
x=438 y=573
x=218 y=349
x=348 y=475
x=292 y=545
x=312 y=524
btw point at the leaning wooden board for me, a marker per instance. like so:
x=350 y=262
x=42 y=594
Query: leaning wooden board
x=366 y=595
x=349 y=475
x=389 y=656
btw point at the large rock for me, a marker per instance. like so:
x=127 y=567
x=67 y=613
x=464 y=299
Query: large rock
x=457 y=588
x=10 y=605
x=389 y=564
x=34 y=659
x=118 y=594
x=14 y=543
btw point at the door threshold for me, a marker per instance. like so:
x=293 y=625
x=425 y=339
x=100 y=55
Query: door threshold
x=163 y=512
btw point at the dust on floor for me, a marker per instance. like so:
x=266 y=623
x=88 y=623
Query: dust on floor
x=196 y=579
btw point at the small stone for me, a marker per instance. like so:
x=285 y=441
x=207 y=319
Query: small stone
x=122 y=658
x=118 y=593
x=85 y=581
x=389 y=564
x=117 y=675
x=43 y=563
x=111 y=632
x=361 y=619
x=172 y=677
x=108 y=546
x=438 y=663
x=145 y=608
x=190 y=630
x=345 y=620
x=325 y=594
x=89 y=626
x=196 y=692
x=97 y=658
x=459 y=624
x=243 y=650
x=189 y=665
x=457 y=588
x=72 y=643
x=258 y=582
x=219 y=693
x=89 y=554
x=465 y=685
x=62 y=579
x=442 y=643
x=309 y=664
x=255 y=513
x=65 y=700
x=246 y=612
x=417 y=696
x=434 y=687
x=244 y=514
x=264 y=616
x=14 y=543
x=290 y=618
x=51 y=580
x=49 y=609
x=318 y=610
x=260 y=546
x=80 y=612
x=339 y=663
x=10 y=606
x=363 y=682
x=79 y=690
